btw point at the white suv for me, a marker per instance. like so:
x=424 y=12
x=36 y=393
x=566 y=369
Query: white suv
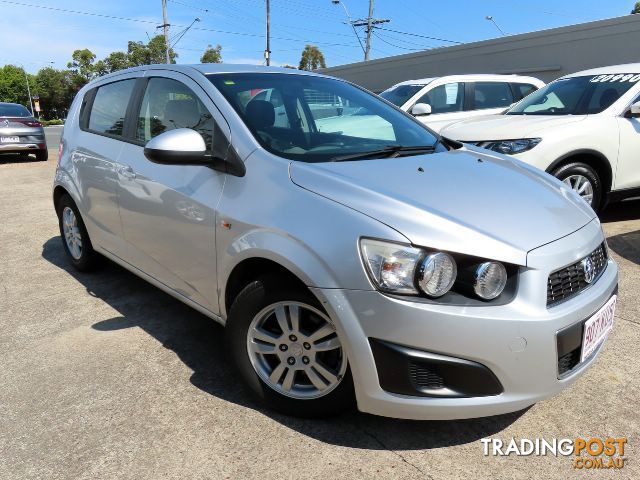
x=440 y=101
x=583 y=128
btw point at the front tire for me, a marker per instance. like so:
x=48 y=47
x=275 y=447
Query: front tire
x=582 y=179
x=287 y=351
x=74 y=236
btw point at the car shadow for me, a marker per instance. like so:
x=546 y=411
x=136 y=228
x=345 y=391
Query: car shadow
x=621 y=211
x=198 y=343
x=7 y=158
x=627 y=245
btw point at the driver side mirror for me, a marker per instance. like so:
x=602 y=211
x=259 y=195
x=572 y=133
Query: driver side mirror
x=634 y=111
x=421 y=109
x=184 y=146
x=181 y=146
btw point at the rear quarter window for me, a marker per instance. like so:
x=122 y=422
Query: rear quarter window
x=109 y=106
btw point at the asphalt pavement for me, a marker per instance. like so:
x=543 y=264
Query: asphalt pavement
x=105 y=376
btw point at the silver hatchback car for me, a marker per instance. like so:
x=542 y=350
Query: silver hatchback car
x=394 y=270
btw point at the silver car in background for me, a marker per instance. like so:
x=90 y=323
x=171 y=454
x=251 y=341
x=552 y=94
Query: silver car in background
x=401 y=272
x=20 y=132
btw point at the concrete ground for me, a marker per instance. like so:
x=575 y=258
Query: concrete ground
x=104 y=376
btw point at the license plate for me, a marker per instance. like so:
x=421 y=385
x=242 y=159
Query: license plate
x=9 y=139
x=597 y=328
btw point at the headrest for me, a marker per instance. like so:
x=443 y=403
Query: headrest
x=181 y=113
x=260 y=114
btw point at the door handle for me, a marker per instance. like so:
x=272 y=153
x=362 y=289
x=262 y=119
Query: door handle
x=127 y=172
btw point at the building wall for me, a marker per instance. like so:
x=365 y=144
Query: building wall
x=546 y=54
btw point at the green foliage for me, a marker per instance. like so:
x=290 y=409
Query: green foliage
x=312 y=58
x=82 y=65
x=636 y=9
x=139 y=53
x=13 y=85
x=48 y=123
x=56 y=89
x=212 y=55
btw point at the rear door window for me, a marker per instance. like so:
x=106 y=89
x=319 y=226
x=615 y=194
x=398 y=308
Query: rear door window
x=445 y=98
x=492 y=95
x=110 y=106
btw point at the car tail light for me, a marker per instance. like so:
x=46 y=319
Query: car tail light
x=30 y=123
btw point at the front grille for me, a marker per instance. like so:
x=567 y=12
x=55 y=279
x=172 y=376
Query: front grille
x=569 y=281
x=423 y=377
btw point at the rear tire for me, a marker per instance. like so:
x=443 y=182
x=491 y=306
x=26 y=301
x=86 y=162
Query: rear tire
x=584 y=180
x=292 y=350
x=42 y=155
x=74 y=236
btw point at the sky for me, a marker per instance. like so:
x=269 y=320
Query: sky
x=37 y=37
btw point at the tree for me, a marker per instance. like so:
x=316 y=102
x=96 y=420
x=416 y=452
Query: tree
x=212 y=55
x=312 y=58
x=116 y=61
x=153 y=52
x=56 y=91
x=293 y=67
x=636 y=9
x=13 y=85
x=83 y=66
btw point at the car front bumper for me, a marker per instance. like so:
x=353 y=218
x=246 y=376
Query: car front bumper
x=516 y=342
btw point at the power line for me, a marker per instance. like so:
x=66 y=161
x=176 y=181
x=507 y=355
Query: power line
x=421 y=36
x=397 y=46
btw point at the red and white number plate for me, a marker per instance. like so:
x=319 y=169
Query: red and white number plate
x=597 y=328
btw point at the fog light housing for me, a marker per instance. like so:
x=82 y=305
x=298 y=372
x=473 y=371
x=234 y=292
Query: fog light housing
x=489 y=280
x=437 y=274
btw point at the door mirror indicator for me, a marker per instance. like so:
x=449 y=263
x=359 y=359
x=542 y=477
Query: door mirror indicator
x=421 y=109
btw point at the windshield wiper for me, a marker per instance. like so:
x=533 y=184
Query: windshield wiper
x=389 y=151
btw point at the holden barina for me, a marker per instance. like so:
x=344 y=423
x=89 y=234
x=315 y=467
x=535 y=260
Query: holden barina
x=395 y=271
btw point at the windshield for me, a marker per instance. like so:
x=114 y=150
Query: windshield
x=399 y=94
x=576 y=95
x=10 y=110
x=317 y=119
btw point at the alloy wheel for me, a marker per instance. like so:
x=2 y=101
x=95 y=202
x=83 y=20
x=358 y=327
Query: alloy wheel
x=582 y=186
x=72 y=235
x=294 y=349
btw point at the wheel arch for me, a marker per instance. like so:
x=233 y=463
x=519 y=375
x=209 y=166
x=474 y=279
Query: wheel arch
x=58 y=192
x=595 y=159
x=250 y=269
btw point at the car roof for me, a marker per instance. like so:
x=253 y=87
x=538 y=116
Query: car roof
x=210 y=68
x=470 y=77
x=623 y=68
x=9 y=103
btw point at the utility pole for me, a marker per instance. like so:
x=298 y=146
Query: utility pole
x=370 y=23
x=26 y=77
x=267 y=52
x=165 y=27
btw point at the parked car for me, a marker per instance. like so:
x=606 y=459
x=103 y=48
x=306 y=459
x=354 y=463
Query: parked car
x=440 y=101
x=417 y=277
x=583 y=128
x=20 y=132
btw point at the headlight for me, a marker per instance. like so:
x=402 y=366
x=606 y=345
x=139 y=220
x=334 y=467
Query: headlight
x=391 y=266
x=511 y=147
x=490 y=280
x=437 y=274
